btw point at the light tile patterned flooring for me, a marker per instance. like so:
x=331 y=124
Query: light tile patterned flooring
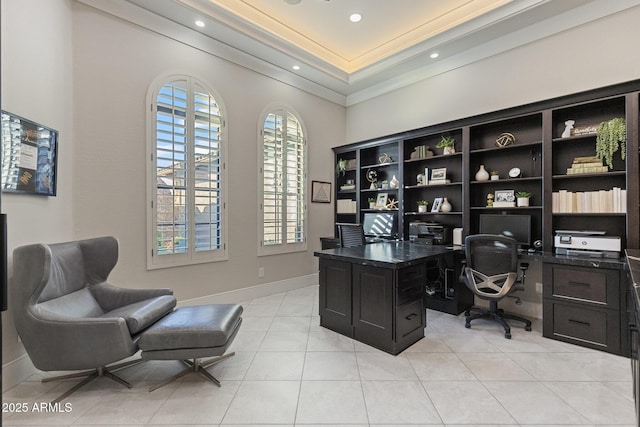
x=289 y=371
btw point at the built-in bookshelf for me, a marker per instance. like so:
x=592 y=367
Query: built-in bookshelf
x=529 y=150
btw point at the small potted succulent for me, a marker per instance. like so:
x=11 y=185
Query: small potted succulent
x=372 y=202
x=422 y=206
x=447 y=144
x=495 y=176
x=522 y=198
x=384 y=184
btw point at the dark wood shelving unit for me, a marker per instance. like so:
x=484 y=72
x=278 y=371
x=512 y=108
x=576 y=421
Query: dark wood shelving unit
x=542 y=155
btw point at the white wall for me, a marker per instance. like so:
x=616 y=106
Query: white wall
x=594 y=55
x=37 y=83
x=114 y=65
x=86 y=74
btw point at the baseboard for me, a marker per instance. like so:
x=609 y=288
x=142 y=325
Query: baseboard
x=252 y=292
x=18 y=370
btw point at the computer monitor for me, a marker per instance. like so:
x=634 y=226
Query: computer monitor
x=380 y=224
x=516 y=226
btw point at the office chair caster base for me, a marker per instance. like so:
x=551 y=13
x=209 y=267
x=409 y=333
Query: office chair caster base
x=507 y=335
x=527 y=328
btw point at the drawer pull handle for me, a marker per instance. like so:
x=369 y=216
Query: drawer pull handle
x=587 y=324
x=411 y=316
x=586 y=285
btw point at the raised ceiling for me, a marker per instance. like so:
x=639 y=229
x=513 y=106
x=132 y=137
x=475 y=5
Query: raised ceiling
x=323 y=29
x=348 y=63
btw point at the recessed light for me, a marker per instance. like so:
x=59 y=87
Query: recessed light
x=434 y=55
x=199 y=23
x=355 y=17
x=296 y=67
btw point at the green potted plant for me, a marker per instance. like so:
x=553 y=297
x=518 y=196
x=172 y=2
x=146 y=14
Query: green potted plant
x=447 y=144
x=372 y=202
x=385 y=184
x=611 y=136
x=495 y=176
x=522 y=198
x=341 y=167
x=422 y=206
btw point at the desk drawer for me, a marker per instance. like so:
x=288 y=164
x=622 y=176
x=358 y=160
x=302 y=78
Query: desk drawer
x=410 y=284
x=409 y=317
x=592 y=285
x=583 y=325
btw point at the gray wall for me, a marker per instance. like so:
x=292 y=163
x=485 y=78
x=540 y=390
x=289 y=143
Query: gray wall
x=86 y=74
x=593 y=55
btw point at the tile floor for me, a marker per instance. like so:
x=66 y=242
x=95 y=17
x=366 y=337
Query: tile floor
x=289 y=371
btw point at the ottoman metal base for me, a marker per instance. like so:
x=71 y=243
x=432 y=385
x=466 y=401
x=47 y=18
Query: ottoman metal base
x=195 y=366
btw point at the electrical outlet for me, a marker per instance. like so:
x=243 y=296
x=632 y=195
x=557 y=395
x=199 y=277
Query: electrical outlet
x=261 y=272
x=538 y=287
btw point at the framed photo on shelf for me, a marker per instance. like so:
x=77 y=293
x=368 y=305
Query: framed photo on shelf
x=439 y=173
x=320 y=192
x=437 y=202
x=381 y=201
x=504 y=196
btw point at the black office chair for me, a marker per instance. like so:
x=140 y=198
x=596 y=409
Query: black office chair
x=490 y=271
x=350 y=235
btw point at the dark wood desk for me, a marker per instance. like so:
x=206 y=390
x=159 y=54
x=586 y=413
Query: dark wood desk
x=375 y=293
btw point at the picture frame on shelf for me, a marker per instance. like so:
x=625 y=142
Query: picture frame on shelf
x=504 y=196
x=381 y=200
x=438 y=174
x=437 y=203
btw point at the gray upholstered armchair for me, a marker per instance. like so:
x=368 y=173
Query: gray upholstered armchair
x=70 y=318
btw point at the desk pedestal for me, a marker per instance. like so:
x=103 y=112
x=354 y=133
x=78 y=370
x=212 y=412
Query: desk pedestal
x=378 y=306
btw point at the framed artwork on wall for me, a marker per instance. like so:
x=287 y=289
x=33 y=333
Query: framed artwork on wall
x=320 y=192
x=29 y=161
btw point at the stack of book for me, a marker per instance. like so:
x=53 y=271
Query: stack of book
x=347 y=187
x=601 y=201
x=589 y=164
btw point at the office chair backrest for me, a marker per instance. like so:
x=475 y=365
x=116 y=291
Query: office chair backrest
x=350 y=235
x=491 y=254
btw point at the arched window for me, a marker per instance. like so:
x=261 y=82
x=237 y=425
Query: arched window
x=187 y=177
x=283 y=183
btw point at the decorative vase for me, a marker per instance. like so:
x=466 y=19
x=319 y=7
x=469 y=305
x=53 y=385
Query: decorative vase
x=394 y=182
x=482 y=174
x=422 y=208
x=522 y=201
x=446 y=206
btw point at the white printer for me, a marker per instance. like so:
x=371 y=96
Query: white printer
x=587 y=243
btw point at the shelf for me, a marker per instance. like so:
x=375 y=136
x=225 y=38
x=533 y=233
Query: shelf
x=432 y=213
x=377 y=190
x=515 y=208
x=508 y=147
x=501 y=180
x=590 y=175
x=575 y=138
x=379 y=210
x=605 y=214
x=347 y=192
x=435 y=157
x=414 y=187
x=379 y=165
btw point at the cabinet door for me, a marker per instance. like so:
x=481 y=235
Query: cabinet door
x=335 y=296
x=373 y=306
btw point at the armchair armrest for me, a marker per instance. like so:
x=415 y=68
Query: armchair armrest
x=102 y=340
x=111 y=297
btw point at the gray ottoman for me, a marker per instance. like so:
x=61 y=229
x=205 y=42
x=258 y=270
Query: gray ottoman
x=191 y=333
